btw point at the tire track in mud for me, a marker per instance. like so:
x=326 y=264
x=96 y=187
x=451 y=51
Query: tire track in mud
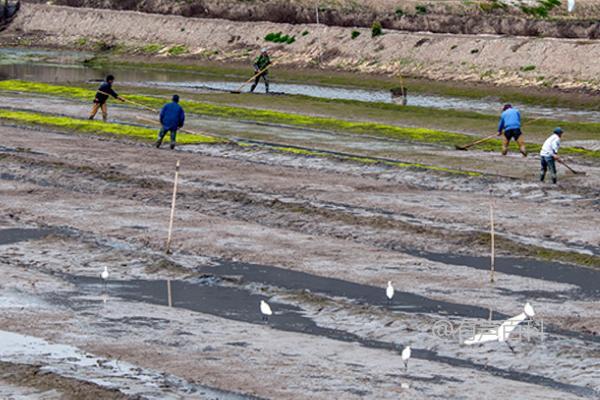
x=318 y=218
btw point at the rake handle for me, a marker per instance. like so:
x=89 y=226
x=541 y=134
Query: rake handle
x=254 y=77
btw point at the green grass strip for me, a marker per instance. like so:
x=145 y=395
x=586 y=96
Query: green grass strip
x=419 y=135
x=97 y=127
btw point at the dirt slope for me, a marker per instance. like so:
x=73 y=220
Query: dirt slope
x=501 y=60
x=412 y=15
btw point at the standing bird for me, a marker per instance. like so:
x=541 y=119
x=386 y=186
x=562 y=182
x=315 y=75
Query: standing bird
x=389 y=291
x=502 y=333
x=571 y=5
x=405 y=357
x=265 y=310
x=104 y=275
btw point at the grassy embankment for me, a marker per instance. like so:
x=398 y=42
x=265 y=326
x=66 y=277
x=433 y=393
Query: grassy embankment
x=419 y=135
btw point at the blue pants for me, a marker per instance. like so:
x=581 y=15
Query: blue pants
x=163 y=132
x=548 y=163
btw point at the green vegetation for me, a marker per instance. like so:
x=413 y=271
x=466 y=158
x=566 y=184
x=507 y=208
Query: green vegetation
x=280 y=38
x=305 y=33
x=542 y=9
x=178 y=50
x=421 y=135
x=96 y=127
x=421 y=9
x=354 y=34
x=492 y=5
x=81 y=42
x=152 y=48
x=376 y=29
x=528 y=68
x=399 y=12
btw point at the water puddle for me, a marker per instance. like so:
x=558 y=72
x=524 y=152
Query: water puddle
x=15 y=235
x=64 y=67
x=208 y=295
x=587 y=279
x=69 y=361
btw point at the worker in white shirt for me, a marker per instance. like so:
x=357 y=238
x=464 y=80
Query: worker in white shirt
x=549 y=154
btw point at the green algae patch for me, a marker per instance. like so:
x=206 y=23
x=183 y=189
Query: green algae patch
x=409 y=134
x=97 y=127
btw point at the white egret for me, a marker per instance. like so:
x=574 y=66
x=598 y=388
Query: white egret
x=571 y=5
x=406 y=356
x=502 y=333
x=389 y=291
x=265 y=310
x=104 y=275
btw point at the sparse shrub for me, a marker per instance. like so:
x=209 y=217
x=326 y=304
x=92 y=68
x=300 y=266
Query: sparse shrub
x=399 y=12
x=542 y=10
x=304 y=33
x=527 y=68
x=421 y=9
x=279 y=38
x=474 y=51
x=492 y=5
x=376 y=29
x=178 y=50
x=151 y=48
x=354 y=34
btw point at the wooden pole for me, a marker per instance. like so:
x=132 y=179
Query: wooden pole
x=319 y=36
x=169 y=293
x=493 y=244
x=168 y=249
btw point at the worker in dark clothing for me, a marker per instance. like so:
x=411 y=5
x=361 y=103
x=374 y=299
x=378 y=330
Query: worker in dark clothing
x=172 y=117
x=510 y=124
x=104 y=91
x=261 y=62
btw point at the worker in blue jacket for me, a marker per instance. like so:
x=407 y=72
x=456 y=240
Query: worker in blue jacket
x=510 y=124
x=172 y=117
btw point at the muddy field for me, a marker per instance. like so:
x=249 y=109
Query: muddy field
x=315 y=219
x=316 y=236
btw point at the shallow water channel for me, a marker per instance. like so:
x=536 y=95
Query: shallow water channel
x=63 y=67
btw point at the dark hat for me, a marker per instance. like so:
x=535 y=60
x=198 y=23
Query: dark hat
x=506 y=107
x=110 y=78
x=176 y=98
x=558 y=131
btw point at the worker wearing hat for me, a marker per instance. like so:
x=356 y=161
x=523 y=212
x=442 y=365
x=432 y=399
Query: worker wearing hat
x=260 y=64
x=549 y=154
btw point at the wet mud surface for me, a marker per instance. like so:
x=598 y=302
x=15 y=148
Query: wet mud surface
x=316 y=237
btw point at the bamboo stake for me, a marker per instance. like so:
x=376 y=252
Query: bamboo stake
x=169 y=293
x=169 y=237
x=493 y=244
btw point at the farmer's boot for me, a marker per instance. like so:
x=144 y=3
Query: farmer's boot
x=172 y=145
x=542 y=176
x=252 y=88
x=104 y=117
